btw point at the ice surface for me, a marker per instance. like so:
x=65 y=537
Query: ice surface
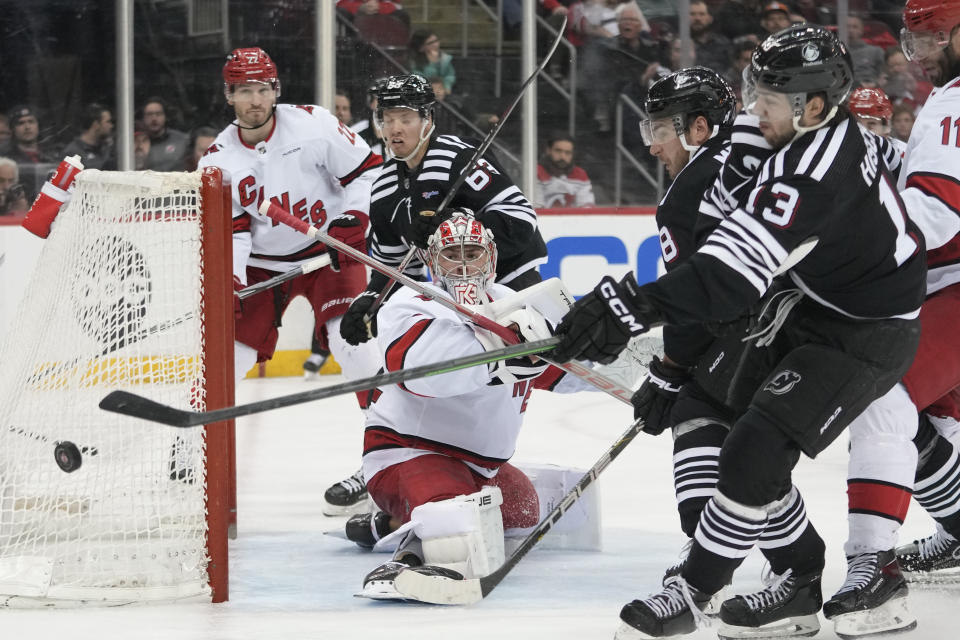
x=289 y=581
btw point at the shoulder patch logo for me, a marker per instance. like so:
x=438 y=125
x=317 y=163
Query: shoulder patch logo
x=430 y=194
x=783 y=382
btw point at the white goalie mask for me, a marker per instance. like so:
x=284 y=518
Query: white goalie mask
x=463 y=257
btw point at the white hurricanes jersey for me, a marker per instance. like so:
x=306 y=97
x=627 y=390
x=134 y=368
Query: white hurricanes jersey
x=930 y=183
x=310 y=164
x=460 y=414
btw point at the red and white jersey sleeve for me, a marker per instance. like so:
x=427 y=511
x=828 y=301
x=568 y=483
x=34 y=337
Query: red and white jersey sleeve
x=310 y=164
x=459 y=414
x=930 y=183
x=571 y=190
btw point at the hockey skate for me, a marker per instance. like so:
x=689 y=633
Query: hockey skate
x=676 y=610
x=378 y=584
x=346 y=497
x=313 y=364
x=873 y=598
x=367 y=528
x=786 y=608
x=712 y=609
x=933 y=560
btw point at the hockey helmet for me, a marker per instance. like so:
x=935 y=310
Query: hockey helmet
x=871 y=103
x=248 y=65
x=800 y=60
x=463 y=257
x=688 y=92
x=927 y=25
x=405 y=92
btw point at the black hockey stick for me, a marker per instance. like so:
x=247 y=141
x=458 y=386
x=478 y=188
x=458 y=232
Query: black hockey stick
x=435 y=590
x=131 y=404
x=468 y=168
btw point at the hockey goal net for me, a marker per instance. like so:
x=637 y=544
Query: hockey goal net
x=131 y=291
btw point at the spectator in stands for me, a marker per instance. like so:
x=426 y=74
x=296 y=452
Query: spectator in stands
x=427 y=60
x=446 y=122
x=632 y=56
x=367 y=128
x=560 y=183
x=712 y=48
x=740 y=53
x=200 y=140
x=13 y=199
x=168 y=146
x=94 y=145
x=33 y=158
x=736 y=18
x=774 y=17
x=902 y=122
x=141 y=145
x=372 y=8
x=868 y=63
x=4 y=131
x=341 y=107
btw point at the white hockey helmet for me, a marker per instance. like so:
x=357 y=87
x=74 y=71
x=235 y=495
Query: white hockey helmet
x=463 y=257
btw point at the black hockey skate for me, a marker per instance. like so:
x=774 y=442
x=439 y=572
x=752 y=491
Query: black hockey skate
x=712 y=609
x=935 y=559
x=676 y=610
x=873 y=598
x=786 y=608
x=367 y=528
x=346 y=497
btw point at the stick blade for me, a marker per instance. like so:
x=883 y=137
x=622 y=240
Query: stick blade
x=436 y=589
x=130 y=404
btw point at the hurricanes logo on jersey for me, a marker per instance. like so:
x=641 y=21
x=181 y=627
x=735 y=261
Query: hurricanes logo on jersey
x=783 y=382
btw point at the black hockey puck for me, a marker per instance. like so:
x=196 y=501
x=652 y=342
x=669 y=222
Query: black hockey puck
x=67 y=456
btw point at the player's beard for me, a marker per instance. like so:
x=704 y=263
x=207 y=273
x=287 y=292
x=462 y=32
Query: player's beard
x=251 y=123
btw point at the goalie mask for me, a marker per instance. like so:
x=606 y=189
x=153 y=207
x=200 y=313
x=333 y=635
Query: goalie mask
x=463 y=257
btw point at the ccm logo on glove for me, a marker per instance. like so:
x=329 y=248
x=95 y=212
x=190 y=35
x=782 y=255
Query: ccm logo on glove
x=608 y=290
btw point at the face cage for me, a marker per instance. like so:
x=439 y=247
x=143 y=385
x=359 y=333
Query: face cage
x=922 y=44
x=468 y=281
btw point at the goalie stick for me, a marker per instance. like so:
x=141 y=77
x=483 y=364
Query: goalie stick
x=131 y=404
x=583 y=372
x=436 y=590
x=468 y=168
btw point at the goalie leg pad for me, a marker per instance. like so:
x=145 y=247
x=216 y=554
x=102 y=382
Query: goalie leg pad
x=464 y=534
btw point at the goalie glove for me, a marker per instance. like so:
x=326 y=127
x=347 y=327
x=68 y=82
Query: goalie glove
x=654 y=399
x=601 y=323
x=353 y=326
x=348 y=229
x=529 y=326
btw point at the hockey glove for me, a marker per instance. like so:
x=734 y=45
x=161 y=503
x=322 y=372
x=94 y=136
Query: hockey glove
x=655 y=397
x=353 y=326
x=600 y=324
x=423 y=226
x=237 y=303
x=349 y=229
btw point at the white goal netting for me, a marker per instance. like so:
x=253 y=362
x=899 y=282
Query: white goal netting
x=116 y=302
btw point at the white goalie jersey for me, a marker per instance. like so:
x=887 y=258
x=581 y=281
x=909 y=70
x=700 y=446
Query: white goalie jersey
x=311 y=165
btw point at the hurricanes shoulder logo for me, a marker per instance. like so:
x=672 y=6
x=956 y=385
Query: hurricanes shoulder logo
x=783 y=382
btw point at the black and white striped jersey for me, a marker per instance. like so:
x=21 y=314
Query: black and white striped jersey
x=832 y=185
x=400 y=193
x=676 y=220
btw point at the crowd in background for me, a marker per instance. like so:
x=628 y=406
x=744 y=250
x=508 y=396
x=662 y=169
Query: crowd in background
x=623 y=47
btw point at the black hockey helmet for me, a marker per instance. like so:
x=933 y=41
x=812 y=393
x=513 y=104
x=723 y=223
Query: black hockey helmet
x=692 y=90
x=804 y=59
x=405 y=92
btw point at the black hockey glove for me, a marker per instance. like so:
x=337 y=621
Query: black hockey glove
x=350 y=230
x=423 y=226
x=353 y=326
x=655 y=397
x=600 y=324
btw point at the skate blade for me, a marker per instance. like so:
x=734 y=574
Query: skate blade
x=893 y=616
x=626 y=632
x=942 y=578
x=332 y=510
x=793 y=627
x=381 y=590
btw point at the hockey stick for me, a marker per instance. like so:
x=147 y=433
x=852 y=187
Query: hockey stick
x=131 y=404
x=468 y=168
x=436 y=590
x=598 y=380
x=307 y=267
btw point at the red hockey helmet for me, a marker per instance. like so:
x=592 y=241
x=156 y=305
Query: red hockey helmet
x=248 y=65
x=871 y=103
x=927 y=25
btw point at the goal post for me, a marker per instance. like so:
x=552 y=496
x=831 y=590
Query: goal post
x=131 y=291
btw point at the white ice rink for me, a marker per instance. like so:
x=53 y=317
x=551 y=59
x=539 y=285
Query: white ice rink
x=289 y=581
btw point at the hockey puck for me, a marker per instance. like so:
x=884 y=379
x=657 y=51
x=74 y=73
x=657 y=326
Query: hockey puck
x=67 y=456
